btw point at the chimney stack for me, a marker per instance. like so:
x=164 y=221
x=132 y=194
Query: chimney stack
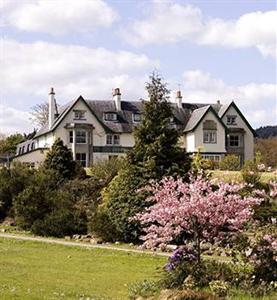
x=218 y=102
x=117 y=98
x=52 y=108
x=179 y=99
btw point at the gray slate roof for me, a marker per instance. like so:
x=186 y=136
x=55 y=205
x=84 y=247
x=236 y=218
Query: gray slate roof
x=184 y=118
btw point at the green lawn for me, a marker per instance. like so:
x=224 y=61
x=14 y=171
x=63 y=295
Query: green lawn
x=229 y=176
x=34 y=270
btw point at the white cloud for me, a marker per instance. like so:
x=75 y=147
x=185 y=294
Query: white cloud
x=13 y=120
x=28 y=70
x=170 y=22
x=257 y=101
x=59 y=17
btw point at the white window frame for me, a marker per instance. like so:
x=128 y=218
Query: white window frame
x=109 y=139
x=110 y=116
x=213 y=157
x=113 y=139
x=79 y=114
x=231 y=120
x=116 y=139
x=76 y=137
x=209 y=136
x=237 y=136
x=136 y=117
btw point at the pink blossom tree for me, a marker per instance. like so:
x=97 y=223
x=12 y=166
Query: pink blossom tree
x=197 y=208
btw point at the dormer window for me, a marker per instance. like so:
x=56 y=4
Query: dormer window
x=136 y=117
x=110 y=116
x=231 y=120
x=79 y=114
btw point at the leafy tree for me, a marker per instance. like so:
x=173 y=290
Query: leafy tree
x=195 y=208
x=268 y=149
x=8 y=144
x=12 y=182
x=39 y=114
x=156 y=148
x=60 y=159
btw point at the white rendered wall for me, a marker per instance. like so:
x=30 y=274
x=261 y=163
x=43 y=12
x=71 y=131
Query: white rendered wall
x=37 y=157
x=248 y=137
x=195 y=139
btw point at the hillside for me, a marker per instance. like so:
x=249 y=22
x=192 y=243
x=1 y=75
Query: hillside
x=265 y=132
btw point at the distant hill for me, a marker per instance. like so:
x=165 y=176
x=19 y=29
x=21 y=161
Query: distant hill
x=266 y=132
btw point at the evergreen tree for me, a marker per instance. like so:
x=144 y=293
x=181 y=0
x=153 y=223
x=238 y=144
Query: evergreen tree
x=60 y=159
x=156 y=148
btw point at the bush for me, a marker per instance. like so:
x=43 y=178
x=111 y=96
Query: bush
x=51 y=208
x=202 y=274
x=230 y=163
x=36 y=201
x=250 y=173
x=12 y=182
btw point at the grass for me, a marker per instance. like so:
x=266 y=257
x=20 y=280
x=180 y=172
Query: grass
x=229 y=176
x=33 y=270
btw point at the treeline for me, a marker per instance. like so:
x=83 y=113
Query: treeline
x=265 y=132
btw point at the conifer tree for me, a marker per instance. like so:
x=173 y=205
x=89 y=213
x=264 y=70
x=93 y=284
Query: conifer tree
x=156 y=148
x=60 y=159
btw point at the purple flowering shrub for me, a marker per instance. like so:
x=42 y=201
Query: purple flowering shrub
x=181 y=255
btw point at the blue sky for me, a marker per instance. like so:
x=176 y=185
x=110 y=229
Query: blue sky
x=210 y=49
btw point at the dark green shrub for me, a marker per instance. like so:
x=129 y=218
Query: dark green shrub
x=121 y=201
x=12 y=182
x=36 y=201
x=53 y=208
x=230 y=163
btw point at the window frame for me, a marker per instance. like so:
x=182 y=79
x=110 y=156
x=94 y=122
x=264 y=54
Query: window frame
x=136 y=115
x=212 y=157
x=231 y=119
x=111 y=138
x=238 y=140
x=82 y=114
x=71 y=136
x=210 y=134
x=107 y=116
x=76 y=137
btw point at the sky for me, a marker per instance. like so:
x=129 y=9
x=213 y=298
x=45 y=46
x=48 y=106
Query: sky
x=211 y=50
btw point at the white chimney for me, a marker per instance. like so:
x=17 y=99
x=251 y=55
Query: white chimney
x=117 y=98
x=179 y=99
x=52 y=108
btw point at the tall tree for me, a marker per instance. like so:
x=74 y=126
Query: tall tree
x=39 y=114
x=156 y=148
x=60 y=159
x=8 y=144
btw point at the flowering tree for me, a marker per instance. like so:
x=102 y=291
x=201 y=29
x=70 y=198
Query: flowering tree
x=196 y=208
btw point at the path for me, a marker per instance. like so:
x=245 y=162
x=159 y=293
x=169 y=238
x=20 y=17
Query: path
x=77 y=244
